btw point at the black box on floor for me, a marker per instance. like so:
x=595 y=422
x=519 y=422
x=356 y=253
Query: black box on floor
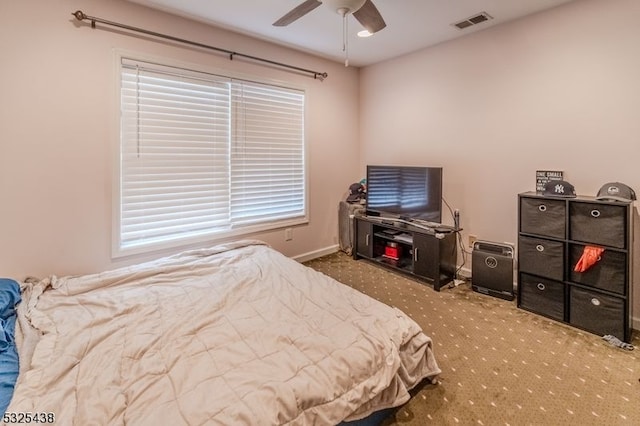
x=492 y=269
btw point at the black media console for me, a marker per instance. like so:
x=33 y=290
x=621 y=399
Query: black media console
x=425 y=252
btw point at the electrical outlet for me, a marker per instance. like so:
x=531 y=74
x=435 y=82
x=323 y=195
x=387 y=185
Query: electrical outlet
x=288 y=234
x=472 y=240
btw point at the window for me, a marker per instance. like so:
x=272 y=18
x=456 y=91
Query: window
x=204 y=155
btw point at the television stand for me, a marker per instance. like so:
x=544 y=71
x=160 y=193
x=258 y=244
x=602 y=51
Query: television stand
x=424 y=252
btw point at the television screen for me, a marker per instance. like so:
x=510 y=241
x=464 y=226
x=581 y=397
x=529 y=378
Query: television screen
x=405 y=192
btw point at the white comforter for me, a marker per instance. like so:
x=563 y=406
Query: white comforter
x=235 y=334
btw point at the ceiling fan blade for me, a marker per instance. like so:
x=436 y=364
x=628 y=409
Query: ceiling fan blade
x=297 y=12
x=369 y=17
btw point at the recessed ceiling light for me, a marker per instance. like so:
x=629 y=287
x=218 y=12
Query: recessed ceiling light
x=364 y=33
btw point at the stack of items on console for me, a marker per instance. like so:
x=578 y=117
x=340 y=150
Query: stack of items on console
x=357 y=192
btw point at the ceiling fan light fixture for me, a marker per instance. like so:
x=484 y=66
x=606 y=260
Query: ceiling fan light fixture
x=340 y=5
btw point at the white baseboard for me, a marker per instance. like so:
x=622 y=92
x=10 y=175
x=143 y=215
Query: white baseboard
x=465 y=273
x=304 y=257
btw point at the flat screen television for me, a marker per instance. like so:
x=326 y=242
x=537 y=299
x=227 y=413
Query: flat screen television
x=405 y=192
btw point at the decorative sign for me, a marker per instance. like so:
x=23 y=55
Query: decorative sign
x=544 y=176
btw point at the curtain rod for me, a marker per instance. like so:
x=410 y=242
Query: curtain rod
x=81 y=16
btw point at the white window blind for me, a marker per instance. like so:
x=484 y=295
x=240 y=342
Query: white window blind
x=267 y=158
x=203 y=154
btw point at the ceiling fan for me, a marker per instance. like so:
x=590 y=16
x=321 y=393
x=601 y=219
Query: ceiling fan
x=363 y=10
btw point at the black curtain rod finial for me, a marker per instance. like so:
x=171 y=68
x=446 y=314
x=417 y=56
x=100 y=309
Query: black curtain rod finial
x=80 y=16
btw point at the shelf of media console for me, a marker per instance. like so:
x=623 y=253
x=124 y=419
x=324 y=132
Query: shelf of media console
x=401 y=263
x=436 y=229
x=403 y=238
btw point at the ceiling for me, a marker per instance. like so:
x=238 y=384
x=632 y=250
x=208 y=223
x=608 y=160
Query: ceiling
x=411 y=24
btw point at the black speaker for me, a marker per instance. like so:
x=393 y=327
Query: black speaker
x=492 y=269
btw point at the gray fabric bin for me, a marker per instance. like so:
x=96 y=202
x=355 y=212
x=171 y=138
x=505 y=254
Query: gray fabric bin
x=609 y=273
x=542 y=217
x=597 y=223
x=545 y=297
x=541 y=257
x=596 y=312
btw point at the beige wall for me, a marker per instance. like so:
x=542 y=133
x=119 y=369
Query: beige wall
x=559 y=90
x=57 y=130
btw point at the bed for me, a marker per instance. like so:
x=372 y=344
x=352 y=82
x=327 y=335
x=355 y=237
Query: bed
x=233 y=334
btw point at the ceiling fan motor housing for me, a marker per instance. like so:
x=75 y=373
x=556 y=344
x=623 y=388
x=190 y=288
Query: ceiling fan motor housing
x=344 y=7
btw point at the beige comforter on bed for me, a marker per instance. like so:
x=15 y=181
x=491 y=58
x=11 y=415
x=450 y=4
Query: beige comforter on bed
x=235 y=334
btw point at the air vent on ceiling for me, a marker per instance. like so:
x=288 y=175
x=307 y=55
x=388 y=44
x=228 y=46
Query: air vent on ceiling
x=475 y=19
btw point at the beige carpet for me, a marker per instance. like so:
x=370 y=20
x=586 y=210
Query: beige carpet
x=501 y=365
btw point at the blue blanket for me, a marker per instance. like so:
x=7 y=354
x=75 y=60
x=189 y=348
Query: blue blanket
x=9 y=298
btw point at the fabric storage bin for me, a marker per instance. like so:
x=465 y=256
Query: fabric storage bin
x=609 y=273
x=541 y=257
x=542 y=217
x=542 y=296
x=599 y=223
x=597 y=313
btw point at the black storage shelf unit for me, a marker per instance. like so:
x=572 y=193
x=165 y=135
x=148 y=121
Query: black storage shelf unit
x=426 y=254
x=552 y=235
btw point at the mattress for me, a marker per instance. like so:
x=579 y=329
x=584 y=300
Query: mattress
x=233 y=334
